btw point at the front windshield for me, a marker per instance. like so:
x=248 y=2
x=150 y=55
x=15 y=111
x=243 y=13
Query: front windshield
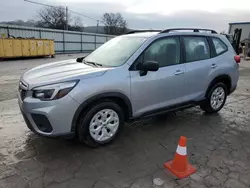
x=116 y=51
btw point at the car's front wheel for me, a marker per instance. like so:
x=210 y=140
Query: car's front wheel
x=215 y=98
x=101 y=124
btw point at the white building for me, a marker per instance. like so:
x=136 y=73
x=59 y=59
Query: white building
x=245 y=26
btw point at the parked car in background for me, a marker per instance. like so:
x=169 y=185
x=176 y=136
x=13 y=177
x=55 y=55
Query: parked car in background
x=132 y=76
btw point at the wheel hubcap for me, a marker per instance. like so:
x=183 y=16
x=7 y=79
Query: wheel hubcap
x=217 y=98
x=104 y=125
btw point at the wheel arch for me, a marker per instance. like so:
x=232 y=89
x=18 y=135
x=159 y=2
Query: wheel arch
x=226 y=79
x=119 y=98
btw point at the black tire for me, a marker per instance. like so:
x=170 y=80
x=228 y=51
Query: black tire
x=206 y=105
x=84 y=123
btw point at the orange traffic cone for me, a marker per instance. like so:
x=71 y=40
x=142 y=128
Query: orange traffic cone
x=179 y=166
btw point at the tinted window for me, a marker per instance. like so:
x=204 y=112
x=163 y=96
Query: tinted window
x=219 y=46
x=196 y=48
x=165 y=51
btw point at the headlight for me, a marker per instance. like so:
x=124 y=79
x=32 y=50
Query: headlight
x=55 y=91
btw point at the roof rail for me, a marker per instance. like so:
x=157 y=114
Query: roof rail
x=144 y=30
x=194 y=30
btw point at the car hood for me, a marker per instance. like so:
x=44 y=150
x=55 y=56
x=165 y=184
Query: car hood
x=60 y=71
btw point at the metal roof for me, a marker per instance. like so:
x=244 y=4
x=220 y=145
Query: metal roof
x=234 y=23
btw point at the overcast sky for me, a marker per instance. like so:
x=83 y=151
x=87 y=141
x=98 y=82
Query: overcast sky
x=143 y=14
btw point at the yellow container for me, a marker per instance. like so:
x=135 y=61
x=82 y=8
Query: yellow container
x=46 y=45
x=40 y=47
x=25 y=47
x=7 y=48
x=33 y=49
x=17 y=48
x=1 y=48
x=52 y=47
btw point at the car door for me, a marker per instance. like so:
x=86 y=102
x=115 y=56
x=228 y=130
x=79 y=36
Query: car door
x=199 y=66
x=162 y=88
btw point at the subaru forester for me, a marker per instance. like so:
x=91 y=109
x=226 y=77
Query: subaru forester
x=132 y=76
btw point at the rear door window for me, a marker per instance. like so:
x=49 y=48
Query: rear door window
x=220 y=47
x=196 y=48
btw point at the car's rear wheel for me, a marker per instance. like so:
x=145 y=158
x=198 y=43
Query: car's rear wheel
x=101 y=124
x=215 y=98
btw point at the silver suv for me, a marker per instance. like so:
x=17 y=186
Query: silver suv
x=136 y=75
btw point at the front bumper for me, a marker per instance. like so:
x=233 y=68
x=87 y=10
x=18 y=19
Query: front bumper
x=57 y=113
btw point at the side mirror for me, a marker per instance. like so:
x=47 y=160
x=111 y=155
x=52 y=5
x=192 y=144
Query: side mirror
x=151 y=65
x=148 y=66
x=79 y=59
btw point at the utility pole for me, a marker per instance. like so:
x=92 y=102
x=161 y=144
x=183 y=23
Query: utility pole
x=97 y=26
x=67 y=19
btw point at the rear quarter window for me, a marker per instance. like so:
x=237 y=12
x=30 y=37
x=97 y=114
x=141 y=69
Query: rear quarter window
x=219 y=46
x=196 y=48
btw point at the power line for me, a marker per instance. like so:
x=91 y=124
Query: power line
x=80 y=14
x=83 y=15
x=97 y=21
x=41 y=4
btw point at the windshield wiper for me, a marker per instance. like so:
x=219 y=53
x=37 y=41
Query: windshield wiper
x=92 y=63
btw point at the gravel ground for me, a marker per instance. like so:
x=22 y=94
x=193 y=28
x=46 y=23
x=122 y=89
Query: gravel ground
x=218 y=145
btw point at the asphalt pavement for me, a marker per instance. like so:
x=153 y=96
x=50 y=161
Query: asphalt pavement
x=218 y=145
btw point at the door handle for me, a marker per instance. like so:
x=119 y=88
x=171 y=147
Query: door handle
x=179 y=72
x=213 y=66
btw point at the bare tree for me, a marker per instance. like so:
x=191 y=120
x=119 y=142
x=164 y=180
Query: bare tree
x=114 y=24
x=52 y=17
x=77 y=25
